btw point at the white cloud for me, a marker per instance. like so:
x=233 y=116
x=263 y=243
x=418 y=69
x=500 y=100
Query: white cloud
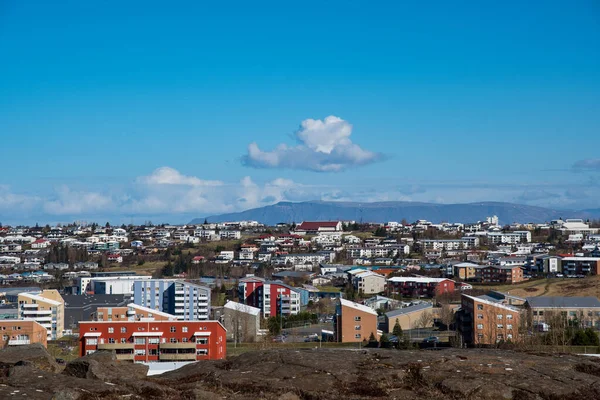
x=324 y=146
x=589 y=164
x=170 y=176
x=68 y=202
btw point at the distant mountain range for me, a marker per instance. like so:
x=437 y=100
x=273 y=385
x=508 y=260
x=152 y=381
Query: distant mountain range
x=396 y=211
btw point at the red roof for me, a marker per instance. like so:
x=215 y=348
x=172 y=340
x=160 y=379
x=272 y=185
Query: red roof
x=311 y=226
x=199 y=258
x=40 y=241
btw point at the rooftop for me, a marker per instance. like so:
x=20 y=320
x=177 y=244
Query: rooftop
x=356 y=306
x=563 y=302
x=408 y=310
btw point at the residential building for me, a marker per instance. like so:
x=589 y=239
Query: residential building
x=368 y=282
x=354 y=322
x=408 y=317
x=185 y=300
x=484 y=322
x=47 y=308
x=554 y=309
x=465 y=271
x=514 y=237
x=581 y=265
x=547 y=264
x=109 y=284
x=151 y=341
x=241 y=321
x=416 y=287
x=500 y=274
x=18 y=332
x=465 y=243
x=274 y=298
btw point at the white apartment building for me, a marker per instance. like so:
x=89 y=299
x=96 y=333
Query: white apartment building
x=465 y=243
x=185 y=300
x=514 y=237
x=230 y=235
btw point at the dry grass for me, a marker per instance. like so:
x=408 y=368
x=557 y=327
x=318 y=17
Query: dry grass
x=589 y=286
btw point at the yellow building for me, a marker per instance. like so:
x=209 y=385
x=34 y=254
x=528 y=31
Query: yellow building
x=47 y=308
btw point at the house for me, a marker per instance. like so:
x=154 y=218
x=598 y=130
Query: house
x=155 y=341
x=19 y=332
x=46 y=307
x=554 y=309
x=198 y=259
x=230 y=235
x=316 y=227
x=408 y=317
x=40 y=244
x=484 y=322
x=117 y=258
x=241 y=321
x=368 y=282
x=547 y=264
x=416 y=287
x=354 y=323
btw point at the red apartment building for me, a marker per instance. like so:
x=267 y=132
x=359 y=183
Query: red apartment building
x=272 y=297
x=419 y=286
x=151 y=341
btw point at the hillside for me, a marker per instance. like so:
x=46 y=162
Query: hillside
x=396 y=211
x=324 y=374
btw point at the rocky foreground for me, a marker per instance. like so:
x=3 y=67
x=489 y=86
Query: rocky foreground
x=29 y=372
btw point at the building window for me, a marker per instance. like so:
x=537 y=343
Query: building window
x=509 y=316
x=479 y=316
x=480 y=306
x=140 y=352
x=202 y=352
x=111 y=340
x=111 y=330
x=479 y=326
x=184 y=329
x=153 y=340
x=184 y=340
x=140 y=340
x=201 y=340
x=123 y=340
x=509 y=336
x=357 y=318
x=173 y=340
x=92 y=342
x=480 y=335
x=123 y=329
x=357 y=327
x=509 y=326
x=173 y=329
x=500 y=326
x=357 y=336
x=499 y=316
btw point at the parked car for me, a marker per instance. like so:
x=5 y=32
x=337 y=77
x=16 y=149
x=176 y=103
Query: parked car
x=431 y=340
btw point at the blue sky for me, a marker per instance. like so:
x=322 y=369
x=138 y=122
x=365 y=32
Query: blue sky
x=134 y=110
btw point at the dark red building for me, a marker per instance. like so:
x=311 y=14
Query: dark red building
x=155 y=340
x=415 y=287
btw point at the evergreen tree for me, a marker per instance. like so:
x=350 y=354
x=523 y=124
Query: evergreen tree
x=384 y=341
x=397 y=331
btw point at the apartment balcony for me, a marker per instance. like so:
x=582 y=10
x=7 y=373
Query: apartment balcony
x=37 y=312
x=125 y=357
x=179 y=291
x=29 y=305
x=115 y=346
x=18 y=342
x=188 y=345
x=130 y=313
x=177 y=357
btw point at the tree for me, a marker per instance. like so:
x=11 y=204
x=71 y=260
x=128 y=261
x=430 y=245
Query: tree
x=446 y=316
x=274 y=325
x=425 y=320
x=397 y=331
x=372 y=341
x=384 y=341
x=205 y=221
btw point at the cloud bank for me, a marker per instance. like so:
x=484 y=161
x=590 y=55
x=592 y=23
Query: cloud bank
x=323 y=146
x=590 y=164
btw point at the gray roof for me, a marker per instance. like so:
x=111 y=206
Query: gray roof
x=563 y=302
x=408 y=310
